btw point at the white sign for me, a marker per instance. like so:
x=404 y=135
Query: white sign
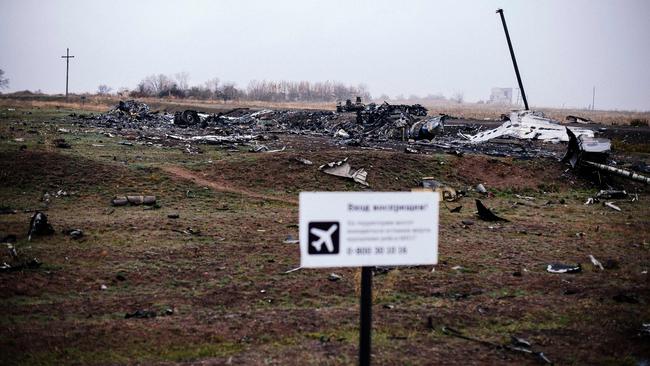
x=354 y=229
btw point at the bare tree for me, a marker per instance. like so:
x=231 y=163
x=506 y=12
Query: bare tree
x=199 y=92
x=104 y=89
x=4 y=82
x=123 y=91
x=457 y=97
x=362 y=91
x=229 y=92
x=182 y=80
x=213 y=86
x=156 y=85
x=162 y=84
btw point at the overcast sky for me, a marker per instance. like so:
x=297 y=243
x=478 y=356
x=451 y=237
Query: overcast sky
x=564 y=48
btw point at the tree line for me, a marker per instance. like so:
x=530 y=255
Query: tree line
x=177 y=86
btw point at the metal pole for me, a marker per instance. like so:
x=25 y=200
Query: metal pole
x=67 y=58
x=514 y=60
x=67 y=69
x=593 y=99
x=366 y=316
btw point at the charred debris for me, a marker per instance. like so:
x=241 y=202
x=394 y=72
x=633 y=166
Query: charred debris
x=523 y=134
x=387 y=121
x=355 y=124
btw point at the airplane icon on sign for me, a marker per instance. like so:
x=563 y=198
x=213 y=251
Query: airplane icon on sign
x=324 y=237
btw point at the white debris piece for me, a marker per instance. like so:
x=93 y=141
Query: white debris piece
x=304 y=161
x=612 y=206
x=530 y=125
x=596 y=262
x=214 y=139
x=342 y=133
x=261 y=114
x=343 y=169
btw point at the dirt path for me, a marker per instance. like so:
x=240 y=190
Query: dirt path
x=182 y=173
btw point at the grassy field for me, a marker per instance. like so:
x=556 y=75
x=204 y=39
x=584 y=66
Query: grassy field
x=219 y=268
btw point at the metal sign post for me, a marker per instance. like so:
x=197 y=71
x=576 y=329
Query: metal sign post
x=366 y=229
x=365 y=331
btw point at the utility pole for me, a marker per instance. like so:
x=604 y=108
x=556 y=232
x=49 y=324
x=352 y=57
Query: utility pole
x=514 y=60
x=67 y=58
x=593 y=98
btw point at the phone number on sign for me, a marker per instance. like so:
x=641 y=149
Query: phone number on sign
x=377 y=250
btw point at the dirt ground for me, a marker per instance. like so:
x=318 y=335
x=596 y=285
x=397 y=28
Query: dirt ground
x=215 y=276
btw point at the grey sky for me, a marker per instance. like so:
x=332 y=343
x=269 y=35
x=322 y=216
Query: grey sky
x=395 y=47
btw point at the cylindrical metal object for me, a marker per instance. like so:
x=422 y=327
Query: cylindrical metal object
x=618 y=171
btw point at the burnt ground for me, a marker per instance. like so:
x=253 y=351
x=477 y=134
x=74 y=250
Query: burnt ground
x=220 y=267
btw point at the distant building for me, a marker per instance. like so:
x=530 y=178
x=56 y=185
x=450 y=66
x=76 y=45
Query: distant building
x=501 y=96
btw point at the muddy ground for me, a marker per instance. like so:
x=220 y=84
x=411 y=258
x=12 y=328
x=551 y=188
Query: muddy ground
x=219 y=268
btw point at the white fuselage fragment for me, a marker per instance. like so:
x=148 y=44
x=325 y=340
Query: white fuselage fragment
x=530 y=125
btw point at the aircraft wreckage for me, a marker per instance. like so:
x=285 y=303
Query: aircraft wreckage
x=522 y=134
x=530 y=125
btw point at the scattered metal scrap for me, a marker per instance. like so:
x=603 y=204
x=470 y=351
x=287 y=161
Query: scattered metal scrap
x=264 y=148
x=61 y=144
x=612 y=193
x=189 y=118
x=394 y=121
x=582 y=147
x=590 y=152
x=132 y=110
x=563 y=268
x=644 y=330
x=349 y=106
x=304 y=161
x=141 y=314
x=618 y=171
x=30 y=264
x=39 y=225
x=291 y=240
x=343 y=169
x=133 y=200
x=427 y=129
x=16 y=263
x=516 y=344
x=6 y=210
x=531 y=125
x=447 y=193
x=292 y=270
x=578 y=119
x=214 y=139
x=612 y=206
x=480 y=188
x=74 y=233
x=596 y=262
x=485 y=214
